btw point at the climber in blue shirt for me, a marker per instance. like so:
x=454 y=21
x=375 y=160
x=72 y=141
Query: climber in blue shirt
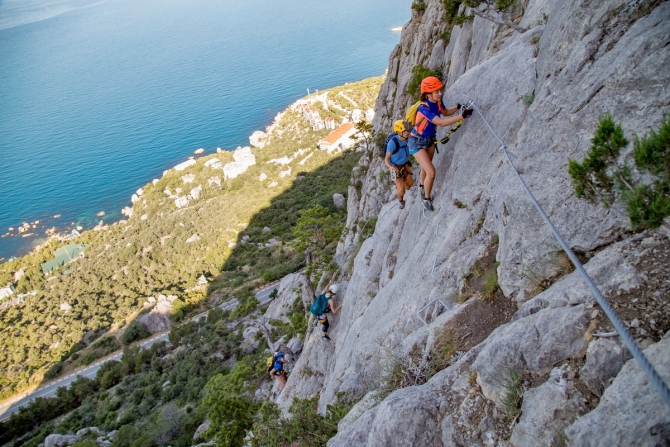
x=397 y=159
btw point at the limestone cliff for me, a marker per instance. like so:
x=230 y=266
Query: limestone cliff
x=542 y=335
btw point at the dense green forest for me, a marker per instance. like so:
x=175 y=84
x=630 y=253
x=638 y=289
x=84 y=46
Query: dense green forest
x=160 y=396
x=156 y=251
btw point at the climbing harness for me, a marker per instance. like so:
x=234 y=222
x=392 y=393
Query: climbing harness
x=634 y=349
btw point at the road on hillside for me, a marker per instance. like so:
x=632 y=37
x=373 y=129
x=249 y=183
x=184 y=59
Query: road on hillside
x=49 y=390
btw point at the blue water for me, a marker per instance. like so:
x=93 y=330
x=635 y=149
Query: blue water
x=97 y=98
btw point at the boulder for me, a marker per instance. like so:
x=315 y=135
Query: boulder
x=604 y=359
x=546 y=411
x=243 y=159
x=295 y=345
x=201 y=281
x=188 y=178
x=257 y=139
x=202 y=428
x=60 y=440
x=85 y=431
x=339 y=201
x=249 y=341
x=194 y=238
x=184 y=165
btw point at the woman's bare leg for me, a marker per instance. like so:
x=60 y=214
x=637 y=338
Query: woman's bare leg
x=427 y=170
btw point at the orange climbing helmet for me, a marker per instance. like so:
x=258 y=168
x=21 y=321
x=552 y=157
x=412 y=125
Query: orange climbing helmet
x=431 y=84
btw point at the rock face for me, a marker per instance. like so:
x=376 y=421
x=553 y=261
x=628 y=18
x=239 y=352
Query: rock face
x=634 y=403
x=577 y=61
x=158 y=320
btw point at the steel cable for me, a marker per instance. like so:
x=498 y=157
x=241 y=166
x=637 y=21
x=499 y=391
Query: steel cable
x=634 y=349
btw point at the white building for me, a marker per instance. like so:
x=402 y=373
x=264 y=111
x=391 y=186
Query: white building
x=356 y=115
x=329 y=123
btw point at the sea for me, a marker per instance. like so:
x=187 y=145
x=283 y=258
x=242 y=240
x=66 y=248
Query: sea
x=99 y=97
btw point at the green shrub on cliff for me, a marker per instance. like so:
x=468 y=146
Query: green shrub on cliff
x=604 y=176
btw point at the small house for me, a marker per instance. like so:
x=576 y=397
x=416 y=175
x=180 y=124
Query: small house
x=339 y=138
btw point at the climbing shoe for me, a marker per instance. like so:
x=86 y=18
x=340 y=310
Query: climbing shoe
x=428 y=204
x=401 y=205
x=326 y=337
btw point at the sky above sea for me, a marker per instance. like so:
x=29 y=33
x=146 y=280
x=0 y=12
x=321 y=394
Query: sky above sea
x=99 y=97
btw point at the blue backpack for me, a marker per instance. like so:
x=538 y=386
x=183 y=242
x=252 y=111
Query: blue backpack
x=319 y=305
x=394 y=137
x=275 y=360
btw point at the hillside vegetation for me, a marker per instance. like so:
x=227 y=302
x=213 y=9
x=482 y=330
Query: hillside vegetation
x=157 y=251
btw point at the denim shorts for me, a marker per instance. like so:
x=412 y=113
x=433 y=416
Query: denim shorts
x=415 y=144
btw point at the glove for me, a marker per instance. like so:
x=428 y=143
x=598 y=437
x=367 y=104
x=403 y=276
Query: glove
x=458 y=106
x=467 y=113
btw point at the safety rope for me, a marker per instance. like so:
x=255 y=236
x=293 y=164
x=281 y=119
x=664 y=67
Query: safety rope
x=635 y=350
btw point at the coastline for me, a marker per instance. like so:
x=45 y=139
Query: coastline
x=45 y=229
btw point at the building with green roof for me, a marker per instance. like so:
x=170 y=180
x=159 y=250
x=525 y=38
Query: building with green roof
x=64 y=255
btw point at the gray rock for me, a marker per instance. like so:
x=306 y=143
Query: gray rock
x=339 y=201
x=546 y=411
x=202 y=428
x=158 y=319
x=267 y=230
x=249 y=341
x=85 y=431
x=369 y=401
x=535 y=344
x=60 y=440
x=193 y=238
x=295 y=345
x=631 y=412
x=201 y=281
x=396 y=421
x=604 y=359
x=290 y=287
x=257 y=139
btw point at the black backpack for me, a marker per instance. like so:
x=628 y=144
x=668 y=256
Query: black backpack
x=392 y=136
